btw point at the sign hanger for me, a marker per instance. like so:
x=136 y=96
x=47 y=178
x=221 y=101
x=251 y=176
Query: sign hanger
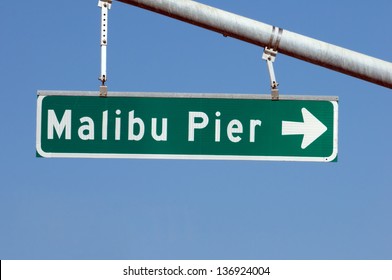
x=105 y=5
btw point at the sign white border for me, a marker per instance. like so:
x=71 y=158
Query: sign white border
x=43 y=94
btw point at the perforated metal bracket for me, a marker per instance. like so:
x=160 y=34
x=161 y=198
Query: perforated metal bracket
x=105 y=5
x=269 y=55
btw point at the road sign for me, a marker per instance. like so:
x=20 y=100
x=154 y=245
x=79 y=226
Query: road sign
x=186 y=126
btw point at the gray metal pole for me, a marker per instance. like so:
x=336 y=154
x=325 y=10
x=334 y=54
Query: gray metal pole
x=314 y=51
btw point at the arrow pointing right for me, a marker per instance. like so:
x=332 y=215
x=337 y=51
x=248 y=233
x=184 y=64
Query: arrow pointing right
x=311 y=128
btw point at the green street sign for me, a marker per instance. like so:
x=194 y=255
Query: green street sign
x=186 y=126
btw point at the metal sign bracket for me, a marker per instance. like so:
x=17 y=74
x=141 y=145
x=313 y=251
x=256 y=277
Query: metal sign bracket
x=269 y=55
x=105 y=5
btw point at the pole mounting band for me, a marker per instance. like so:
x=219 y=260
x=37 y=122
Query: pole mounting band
x=276 y=36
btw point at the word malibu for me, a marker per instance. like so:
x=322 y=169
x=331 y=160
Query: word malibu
x=197 y=121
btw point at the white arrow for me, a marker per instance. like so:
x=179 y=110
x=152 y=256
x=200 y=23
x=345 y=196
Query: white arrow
x=311 y=128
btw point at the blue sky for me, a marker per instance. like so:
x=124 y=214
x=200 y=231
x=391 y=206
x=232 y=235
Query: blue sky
x=173 y=209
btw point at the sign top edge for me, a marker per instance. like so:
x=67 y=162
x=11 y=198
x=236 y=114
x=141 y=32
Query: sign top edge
x=185 y=95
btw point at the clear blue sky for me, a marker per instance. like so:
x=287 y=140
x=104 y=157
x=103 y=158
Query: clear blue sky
x=173 y=209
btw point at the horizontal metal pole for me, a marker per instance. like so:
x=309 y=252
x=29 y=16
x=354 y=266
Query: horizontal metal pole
x=295 y=45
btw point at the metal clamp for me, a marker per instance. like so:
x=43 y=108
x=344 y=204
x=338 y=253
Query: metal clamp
x=269 y=55
x=105 y=5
